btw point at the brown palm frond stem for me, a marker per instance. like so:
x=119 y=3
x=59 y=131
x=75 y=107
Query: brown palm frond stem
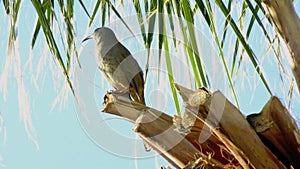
x=213 y=133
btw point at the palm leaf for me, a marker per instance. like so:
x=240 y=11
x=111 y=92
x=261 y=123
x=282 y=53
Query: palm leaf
x=187 y=13
x=246 y=46
x=50 y=40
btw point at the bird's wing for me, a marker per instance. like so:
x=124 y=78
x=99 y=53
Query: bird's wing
x=133 y=74
x=110 y=66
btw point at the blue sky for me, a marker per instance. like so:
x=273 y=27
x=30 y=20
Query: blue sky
x=63 y=139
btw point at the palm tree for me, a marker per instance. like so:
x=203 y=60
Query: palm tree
x=245 y=39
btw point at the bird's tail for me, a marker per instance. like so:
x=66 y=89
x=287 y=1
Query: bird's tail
x=137 y=95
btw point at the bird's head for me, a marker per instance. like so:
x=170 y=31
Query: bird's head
x=102 y=35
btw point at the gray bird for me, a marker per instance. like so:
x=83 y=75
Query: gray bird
x=117 y=64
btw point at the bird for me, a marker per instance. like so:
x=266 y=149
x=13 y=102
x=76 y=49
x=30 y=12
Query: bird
x=117 y=64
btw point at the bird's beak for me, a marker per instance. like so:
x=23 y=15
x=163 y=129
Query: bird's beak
x=87 y=38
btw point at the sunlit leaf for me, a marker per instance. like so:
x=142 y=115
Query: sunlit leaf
x=192 y=36
x=50 y=40
x=213 y=30
x=151 y=16
x=161 y=27
x=95 y=10
x=6 y=6
x=104 y=7
x=187 y=44
x=137 y=7
x=170 y=73
x=170 y=16
x=226 y=24
x=246 y=46
x=84 y=8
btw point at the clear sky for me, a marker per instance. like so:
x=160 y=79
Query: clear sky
x=61 y=137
